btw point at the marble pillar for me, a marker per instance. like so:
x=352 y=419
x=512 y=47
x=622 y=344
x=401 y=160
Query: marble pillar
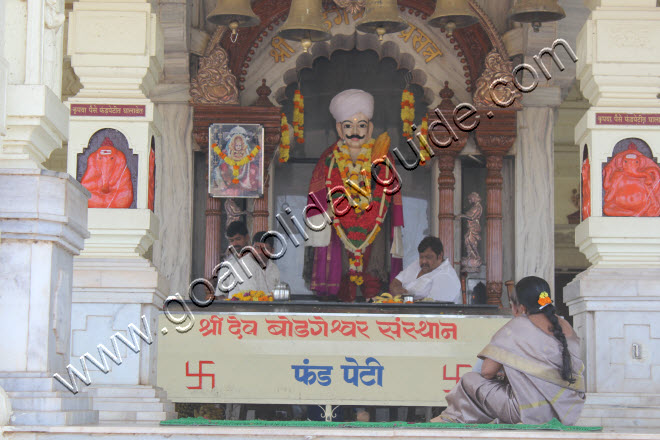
x=116 y=283
x=43 y=219
x=172 y=251
x=616 y=302
x=534 y=215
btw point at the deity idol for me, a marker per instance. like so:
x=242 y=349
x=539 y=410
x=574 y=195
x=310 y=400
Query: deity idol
x=352 y=251
x=631 y=185
x=108 y=178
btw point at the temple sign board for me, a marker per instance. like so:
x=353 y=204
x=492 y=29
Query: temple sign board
x=303 y=358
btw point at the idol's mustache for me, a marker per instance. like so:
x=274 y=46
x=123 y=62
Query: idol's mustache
x=355 y=136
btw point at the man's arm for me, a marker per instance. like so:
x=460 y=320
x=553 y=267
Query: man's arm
x=396 y=288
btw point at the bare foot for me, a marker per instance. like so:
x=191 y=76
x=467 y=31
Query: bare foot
x=439 y=419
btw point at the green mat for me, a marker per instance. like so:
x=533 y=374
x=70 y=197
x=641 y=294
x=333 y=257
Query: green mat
x=553 y=425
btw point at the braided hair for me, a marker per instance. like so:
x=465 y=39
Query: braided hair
x=528 y=291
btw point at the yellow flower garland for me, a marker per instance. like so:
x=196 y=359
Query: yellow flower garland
x=407 y=112
x=236 y=165
x=423 y=141
x=298 y=116
x=285 y=140
x=354 y=172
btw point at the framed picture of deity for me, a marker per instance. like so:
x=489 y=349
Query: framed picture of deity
x=236 y=160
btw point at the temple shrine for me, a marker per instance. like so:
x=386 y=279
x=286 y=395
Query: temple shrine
x=319 y=209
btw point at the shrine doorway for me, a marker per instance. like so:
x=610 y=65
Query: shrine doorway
x=347 y=69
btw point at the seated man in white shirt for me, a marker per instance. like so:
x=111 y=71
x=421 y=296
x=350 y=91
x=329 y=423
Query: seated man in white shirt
x=248 y=273
x=432 y=276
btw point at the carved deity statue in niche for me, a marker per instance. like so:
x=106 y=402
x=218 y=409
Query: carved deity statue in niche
x=586 y=189
x=472 y=261
x=631 y=185
x=108 y=178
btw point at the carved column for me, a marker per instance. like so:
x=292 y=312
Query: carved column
x=494 y=229
x=495 y=137
x=261 y=212
x=446 y=185
x=261 y=209
x=446 y=160
x=213 y=235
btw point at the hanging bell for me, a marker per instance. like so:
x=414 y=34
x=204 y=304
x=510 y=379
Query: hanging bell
x=452 y=14
x=234 y=14
x=305 y=23
x=381 y=17
x=536 y=12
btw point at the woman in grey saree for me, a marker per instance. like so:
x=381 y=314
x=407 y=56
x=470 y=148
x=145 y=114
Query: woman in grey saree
x=529 y=375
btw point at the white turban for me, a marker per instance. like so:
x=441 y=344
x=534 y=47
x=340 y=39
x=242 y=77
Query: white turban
x=351 y=102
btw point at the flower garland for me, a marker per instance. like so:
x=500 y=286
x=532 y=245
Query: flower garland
x=354 y=228
x=407 y=112
x=354 y=173
x=298 y=117
x=251 y=295
x=423 y=141
x=285 y=139
x=236 y=164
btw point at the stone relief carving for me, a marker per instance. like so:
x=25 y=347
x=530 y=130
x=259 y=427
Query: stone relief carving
x=108 y=178
x=495 y=85
x=214 y=83
x=631 y=185
x=472 y=261
x=351 y=6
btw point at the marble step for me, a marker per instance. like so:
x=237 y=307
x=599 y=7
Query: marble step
x=31 y=384
x=139 y=416
x=620 y=424
x=607 y=411
x=133 y=392
x=629 y=400
x=132 y=405
x=48 y=401
x=54 y=418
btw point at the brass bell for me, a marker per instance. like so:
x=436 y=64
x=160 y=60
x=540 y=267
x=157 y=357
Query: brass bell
x=233 y=13
x=305 y=23
x=452 y=14
x=536 y=12
x=381 y=17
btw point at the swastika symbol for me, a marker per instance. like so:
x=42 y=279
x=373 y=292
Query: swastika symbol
x=200 y=374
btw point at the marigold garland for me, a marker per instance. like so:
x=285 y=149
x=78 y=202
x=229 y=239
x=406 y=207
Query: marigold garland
x=285 y=139
x=251 y=295
x=236 y=165
x=407 y=112
x=423 y=141
x=298 y=116
x=356 y=172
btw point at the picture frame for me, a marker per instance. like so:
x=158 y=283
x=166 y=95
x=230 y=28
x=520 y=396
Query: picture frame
x=236 y=160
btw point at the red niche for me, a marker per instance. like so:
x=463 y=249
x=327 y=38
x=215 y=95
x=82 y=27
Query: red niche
x=586 y=189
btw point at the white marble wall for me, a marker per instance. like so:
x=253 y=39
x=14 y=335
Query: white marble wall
x=172 y=252
x=535 y=194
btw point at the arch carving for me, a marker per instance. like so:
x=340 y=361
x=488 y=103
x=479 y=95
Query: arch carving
x=471 y=43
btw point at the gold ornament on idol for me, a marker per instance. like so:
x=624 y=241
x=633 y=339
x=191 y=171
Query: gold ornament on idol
x=407 y=112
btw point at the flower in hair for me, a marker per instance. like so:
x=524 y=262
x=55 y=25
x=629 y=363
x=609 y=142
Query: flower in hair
x=544 y=299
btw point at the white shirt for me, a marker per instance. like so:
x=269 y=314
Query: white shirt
x=441 y=284
x=264 y=280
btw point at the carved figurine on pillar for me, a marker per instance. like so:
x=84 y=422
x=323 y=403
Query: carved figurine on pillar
x=631 y=185
x=472 y=261
x=108 y=178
